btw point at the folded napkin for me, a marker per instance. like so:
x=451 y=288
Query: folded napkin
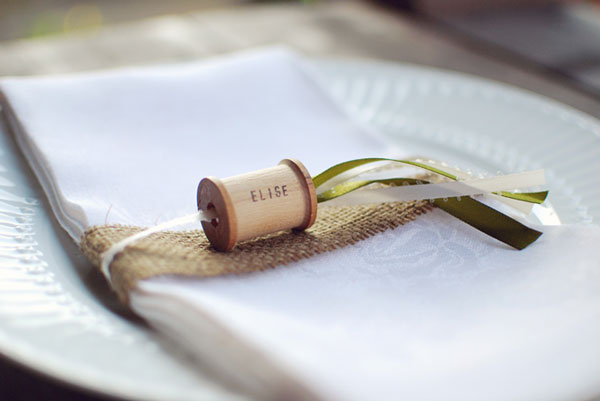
x=129 y=146
x=430 y=310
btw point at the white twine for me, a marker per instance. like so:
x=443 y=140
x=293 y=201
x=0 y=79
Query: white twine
x=109 y=255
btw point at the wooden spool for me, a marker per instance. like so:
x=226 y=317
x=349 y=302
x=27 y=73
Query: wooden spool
x=257 y=203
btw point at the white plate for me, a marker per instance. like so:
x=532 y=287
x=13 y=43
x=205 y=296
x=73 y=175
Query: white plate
x=58 y=316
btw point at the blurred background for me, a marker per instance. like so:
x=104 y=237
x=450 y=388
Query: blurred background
x=561 y=37
x=39 y=18
x=548 y=47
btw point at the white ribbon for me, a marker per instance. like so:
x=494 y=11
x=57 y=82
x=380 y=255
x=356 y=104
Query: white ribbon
x=437 y=191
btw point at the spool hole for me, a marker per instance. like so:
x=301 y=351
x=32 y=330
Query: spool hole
x=215 y=221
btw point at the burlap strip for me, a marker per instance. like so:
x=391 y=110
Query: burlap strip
x=189 y=253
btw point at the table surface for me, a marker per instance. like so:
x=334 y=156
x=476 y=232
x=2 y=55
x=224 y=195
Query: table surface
x=336 y=29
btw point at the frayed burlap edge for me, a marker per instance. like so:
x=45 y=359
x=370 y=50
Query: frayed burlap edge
x=188 y=253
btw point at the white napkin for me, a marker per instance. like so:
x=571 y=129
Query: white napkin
x=130 y=145
x=431 y=310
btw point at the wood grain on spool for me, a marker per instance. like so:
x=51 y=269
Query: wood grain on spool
x=258 y=203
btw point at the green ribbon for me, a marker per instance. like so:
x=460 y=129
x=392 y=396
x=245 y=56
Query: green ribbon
x=478 y=215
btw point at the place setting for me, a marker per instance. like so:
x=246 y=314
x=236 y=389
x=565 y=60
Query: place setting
x=264 y=224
